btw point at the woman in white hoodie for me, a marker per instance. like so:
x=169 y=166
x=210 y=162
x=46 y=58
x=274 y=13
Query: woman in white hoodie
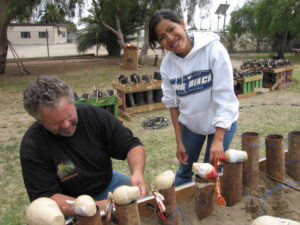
x=197 y=88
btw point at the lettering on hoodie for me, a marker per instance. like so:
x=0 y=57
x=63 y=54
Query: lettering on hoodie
x=195 y=82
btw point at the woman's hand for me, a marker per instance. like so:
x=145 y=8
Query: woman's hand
x=216 y=150
x=181 y=154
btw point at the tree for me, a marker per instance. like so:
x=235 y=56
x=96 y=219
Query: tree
x=277 y=20
x=95 y=34
x=203 y=8
x=20 y=9
x=52 y=14
x=243 y=21
x=117 y=16
x=229 y=38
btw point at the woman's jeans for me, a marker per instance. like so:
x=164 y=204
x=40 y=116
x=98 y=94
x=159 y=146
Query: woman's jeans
x=193 y=144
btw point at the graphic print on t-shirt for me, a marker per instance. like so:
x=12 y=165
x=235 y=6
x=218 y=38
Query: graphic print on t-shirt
x=66 y=170
x=192 y=83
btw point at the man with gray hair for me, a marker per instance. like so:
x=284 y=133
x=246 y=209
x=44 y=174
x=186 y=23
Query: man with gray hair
x=67 y=152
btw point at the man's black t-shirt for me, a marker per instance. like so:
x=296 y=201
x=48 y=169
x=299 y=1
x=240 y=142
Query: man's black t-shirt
x=80 y=164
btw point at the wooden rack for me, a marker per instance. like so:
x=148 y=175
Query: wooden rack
x=275 y=78
x=248 y=84
x=124 y=89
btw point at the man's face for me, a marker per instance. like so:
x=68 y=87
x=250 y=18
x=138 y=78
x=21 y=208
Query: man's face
x=61 y=120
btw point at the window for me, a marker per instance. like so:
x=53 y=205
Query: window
x=25 y=34
x=62 y=33
x=42 y=34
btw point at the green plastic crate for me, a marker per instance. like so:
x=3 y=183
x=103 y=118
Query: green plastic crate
x=104 y=102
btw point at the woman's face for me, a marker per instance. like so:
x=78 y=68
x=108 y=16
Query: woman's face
x=172 y=37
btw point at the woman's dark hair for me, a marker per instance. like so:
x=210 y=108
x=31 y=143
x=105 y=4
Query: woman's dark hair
x=155 y=19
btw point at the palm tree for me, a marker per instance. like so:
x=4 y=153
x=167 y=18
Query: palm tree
x=53 y=14
x=94 y=34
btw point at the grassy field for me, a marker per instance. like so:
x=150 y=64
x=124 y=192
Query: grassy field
x=274 y=112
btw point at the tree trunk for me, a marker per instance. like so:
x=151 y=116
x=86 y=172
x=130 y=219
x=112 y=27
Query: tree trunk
x=117 y=32
x=3 y=37
x=113 y=49
x=258 y=48
x=282 y=40
x=145 y=47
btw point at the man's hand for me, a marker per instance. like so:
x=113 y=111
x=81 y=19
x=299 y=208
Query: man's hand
x=181 y=154
x=136 y=159
x=138 y=180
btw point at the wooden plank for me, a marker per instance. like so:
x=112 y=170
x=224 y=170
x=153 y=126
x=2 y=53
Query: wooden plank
x=144 y=108
x=277 y=84
x=278 y=70
x=257 y=77
x=120 y=101
x=270 y=70
x=143 y=86
x=182 y=192
x=262 y=90
x=246 y=95
x=124 y=115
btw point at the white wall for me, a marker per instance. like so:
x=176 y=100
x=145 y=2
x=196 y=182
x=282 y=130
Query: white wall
x=57 y=34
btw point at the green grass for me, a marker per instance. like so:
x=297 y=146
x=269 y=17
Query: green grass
x=159 y=144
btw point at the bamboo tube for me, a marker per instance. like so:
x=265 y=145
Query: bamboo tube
x=128 y=214
x=250 y=144
x=204 y=197
x=171 y=206
x=89 y=220
x=232 y=183
x=275 y=156
x=293 y=155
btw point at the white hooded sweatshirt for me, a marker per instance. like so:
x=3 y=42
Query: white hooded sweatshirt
x=201 y=85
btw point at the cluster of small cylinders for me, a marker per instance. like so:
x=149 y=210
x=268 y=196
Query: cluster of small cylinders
x=141 y=97
x=267 y=63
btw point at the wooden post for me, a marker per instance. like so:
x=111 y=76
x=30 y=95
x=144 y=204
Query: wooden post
x=171 y=206
x=293 y=155
x=204 y=197
x=250 y=144
x=128 y=214
x=89 y=220
x=47 y=42
x=232 y=183
x=155 y=60
x=275 y=156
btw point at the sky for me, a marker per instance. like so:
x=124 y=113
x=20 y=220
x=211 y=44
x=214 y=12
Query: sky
x=210 y=23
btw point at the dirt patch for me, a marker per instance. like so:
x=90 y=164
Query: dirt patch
x=59 y=65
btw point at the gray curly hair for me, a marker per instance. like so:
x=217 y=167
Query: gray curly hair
x=46 y=91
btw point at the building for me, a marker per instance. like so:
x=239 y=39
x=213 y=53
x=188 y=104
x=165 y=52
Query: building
x=36 y=34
